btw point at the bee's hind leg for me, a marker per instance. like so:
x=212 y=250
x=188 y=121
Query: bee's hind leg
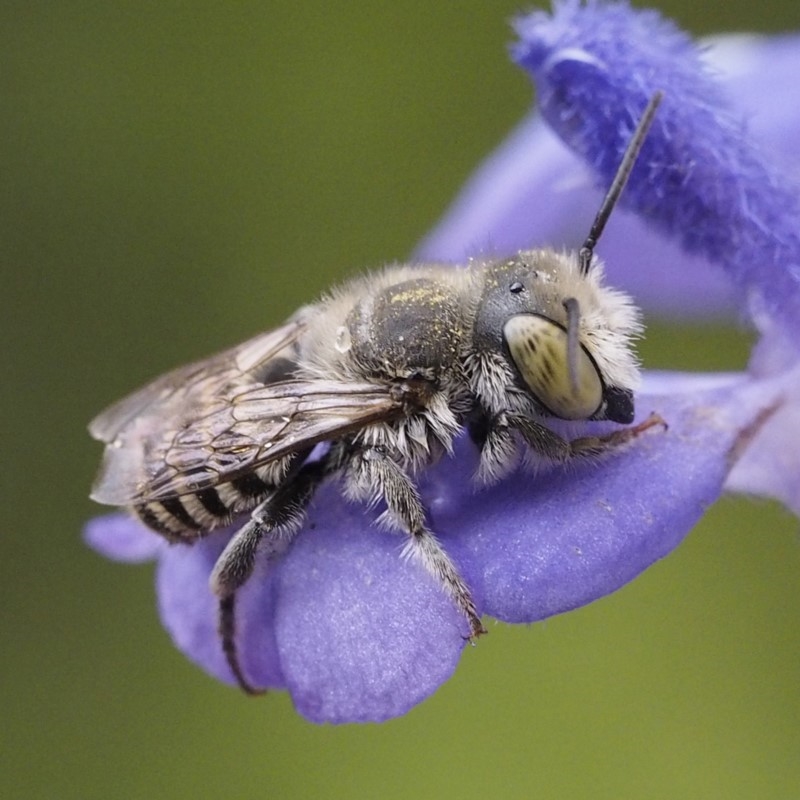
x=226 y=628
x=271 y=526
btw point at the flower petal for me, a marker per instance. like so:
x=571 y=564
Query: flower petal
x=572 y=536
x=190 y=611
x=120 y=537
x=364 y=634
x=698 y=177
x=759 y=74
x=771 y=465
x=534 y=191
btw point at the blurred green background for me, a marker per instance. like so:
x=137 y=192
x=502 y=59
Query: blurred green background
x=177 y=176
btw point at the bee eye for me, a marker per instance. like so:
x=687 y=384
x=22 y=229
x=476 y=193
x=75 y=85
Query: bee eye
x=540 y=350
x=516 y=287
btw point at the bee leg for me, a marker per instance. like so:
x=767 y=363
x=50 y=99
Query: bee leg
x=277 y=518
x=270 y=528
x=498 y=445
x=552 y=446
x=499 y=449
x=588 y=446
x=226 y=627
x=371 y=475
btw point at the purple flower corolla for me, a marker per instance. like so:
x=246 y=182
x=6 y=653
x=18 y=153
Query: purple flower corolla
x=700 y=180
x=354 y=631
x=536 y=190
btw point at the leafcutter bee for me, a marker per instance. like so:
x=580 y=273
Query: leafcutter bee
x=368 y=386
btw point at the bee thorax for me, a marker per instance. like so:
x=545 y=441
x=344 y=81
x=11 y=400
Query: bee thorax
x=408 y=328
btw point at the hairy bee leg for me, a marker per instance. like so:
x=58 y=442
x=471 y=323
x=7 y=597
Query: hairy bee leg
x=236 y=562
x=371 y=474
x=272 y=525
x=277 y=518
x=499 y=450
x=227 y=635
x=552 y=446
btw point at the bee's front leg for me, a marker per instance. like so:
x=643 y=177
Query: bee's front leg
x=588 y=446
x=499 y=444
x=498 y=451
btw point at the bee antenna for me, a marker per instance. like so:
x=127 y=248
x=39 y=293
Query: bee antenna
x=573 y=309
x=618 y=184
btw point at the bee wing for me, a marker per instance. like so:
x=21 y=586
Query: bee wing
x=179 y=392
x=137 y=428
x=247 y=428
x=263 y=424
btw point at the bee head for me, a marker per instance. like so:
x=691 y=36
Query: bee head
x=566 y=337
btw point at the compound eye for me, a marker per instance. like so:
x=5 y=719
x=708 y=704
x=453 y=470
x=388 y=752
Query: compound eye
x=539 y=349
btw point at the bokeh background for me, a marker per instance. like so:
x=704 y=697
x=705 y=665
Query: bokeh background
x=177 y=176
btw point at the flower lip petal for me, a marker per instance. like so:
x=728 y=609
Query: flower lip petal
x=357 y=633
x=363 y=633
x=120 y=537
x=572 y=536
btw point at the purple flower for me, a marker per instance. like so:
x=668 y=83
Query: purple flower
x=355 y=632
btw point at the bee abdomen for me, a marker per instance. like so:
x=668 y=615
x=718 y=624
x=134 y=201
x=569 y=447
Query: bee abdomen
x=170 y=518
x=250 y=485
x=189 y=516
x=185 y=517
x=212 y=503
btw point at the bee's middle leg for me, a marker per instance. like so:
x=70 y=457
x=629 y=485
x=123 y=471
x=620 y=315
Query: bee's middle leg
x=371 y=475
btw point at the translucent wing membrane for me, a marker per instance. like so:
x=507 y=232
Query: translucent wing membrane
x=184 y=389
x=214 y=420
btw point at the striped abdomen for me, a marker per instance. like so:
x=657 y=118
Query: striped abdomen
x=188 y=517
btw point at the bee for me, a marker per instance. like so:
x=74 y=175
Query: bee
x=369 y=385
